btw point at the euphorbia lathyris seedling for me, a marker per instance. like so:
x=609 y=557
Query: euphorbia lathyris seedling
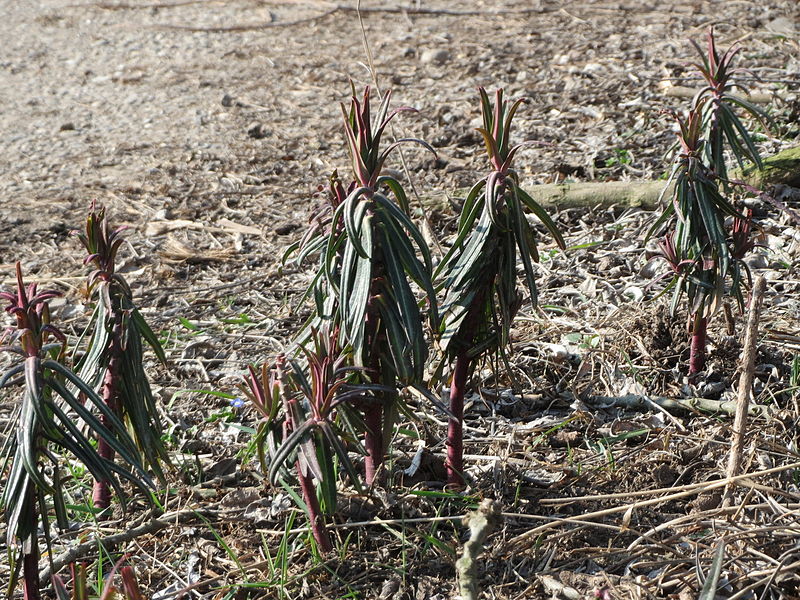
x=113 y=362
x=371 y=253
x=479 y=272
x=52 y=418
x=699 y=250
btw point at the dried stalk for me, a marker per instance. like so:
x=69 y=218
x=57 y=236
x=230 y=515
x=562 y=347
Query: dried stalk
x=690 y=405
x=745 y=385
x=481 y=523
x=524 y=540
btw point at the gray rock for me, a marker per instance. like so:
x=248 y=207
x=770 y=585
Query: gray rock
x=435 y=56
x=757 y=261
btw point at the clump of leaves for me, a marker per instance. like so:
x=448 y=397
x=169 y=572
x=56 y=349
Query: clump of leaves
x=701 y=252
x=717 y=103
x=51 y=421
x=479 y=272
x=371 y=254
x=307 y=410
x=114 y=360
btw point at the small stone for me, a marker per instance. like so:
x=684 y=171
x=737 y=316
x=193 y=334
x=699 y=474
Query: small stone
x=227 y=100
x=286 y=228
x=757 y=261
x=257 y=131
x=68 y=126
x=434 y=56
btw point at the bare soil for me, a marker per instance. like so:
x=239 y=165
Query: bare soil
x=208 y=127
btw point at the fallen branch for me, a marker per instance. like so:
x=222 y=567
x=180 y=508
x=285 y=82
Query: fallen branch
x=745 y=384
x=691 y=405
x=353 y=9
x=782 y=169
x=156 y=524
x=680 y=91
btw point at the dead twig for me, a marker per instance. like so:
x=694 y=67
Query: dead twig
x=524 y=540
x=745 y=385
x=166 y=520
x=481 y=523
x=691 y=405
x=350 y=9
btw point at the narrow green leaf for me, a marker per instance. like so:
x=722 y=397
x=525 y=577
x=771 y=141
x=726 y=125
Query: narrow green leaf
x=143 y=329
x=542 y=215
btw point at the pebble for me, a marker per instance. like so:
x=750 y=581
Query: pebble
x=256 y=131
x=68 y=126
x=434 y=56
x=757 y=261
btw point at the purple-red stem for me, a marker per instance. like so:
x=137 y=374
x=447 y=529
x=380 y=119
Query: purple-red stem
x=455 y=426
x=30 y=556
x=373 y=412
x=373 y=440
x=101 y=491
x=697 y=352
x=30 y=568
x=318 y=528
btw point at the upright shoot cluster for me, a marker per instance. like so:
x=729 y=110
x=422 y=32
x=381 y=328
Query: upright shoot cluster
x=113 y=362
x=703 y=252
x=371 y=254
x=54 y=401
x=479 y=272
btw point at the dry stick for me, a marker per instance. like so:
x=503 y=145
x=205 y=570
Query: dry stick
x=124 y=6
x=699 y=405
x=679 y=91
x=745 y=383
x=344 y=8
x=693 y=519
x=481 y=523
x=165 y=520
x=521 y=541
x=664 y=490
x=782 y=168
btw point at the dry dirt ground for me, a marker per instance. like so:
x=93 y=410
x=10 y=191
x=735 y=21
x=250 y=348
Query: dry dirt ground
x=207 y=128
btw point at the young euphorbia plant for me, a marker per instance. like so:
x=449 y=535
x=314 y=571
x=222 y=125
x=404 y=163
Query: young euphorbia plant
x=371 y=253
x=51 y=421
x=114 y=362
x=317 y=422
x=697 y=250
x=479 y=272
x=701 y=253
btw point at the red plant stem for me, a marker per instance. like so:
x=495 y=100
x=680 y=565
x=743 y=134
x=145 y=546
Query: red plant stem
x=455 y=426
x=101 y=491
x=30 y=549
x=130 y=584
x=30 y=569
x=697 y=352
x=373 y=412
x=318 y=528
x=373 y=440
